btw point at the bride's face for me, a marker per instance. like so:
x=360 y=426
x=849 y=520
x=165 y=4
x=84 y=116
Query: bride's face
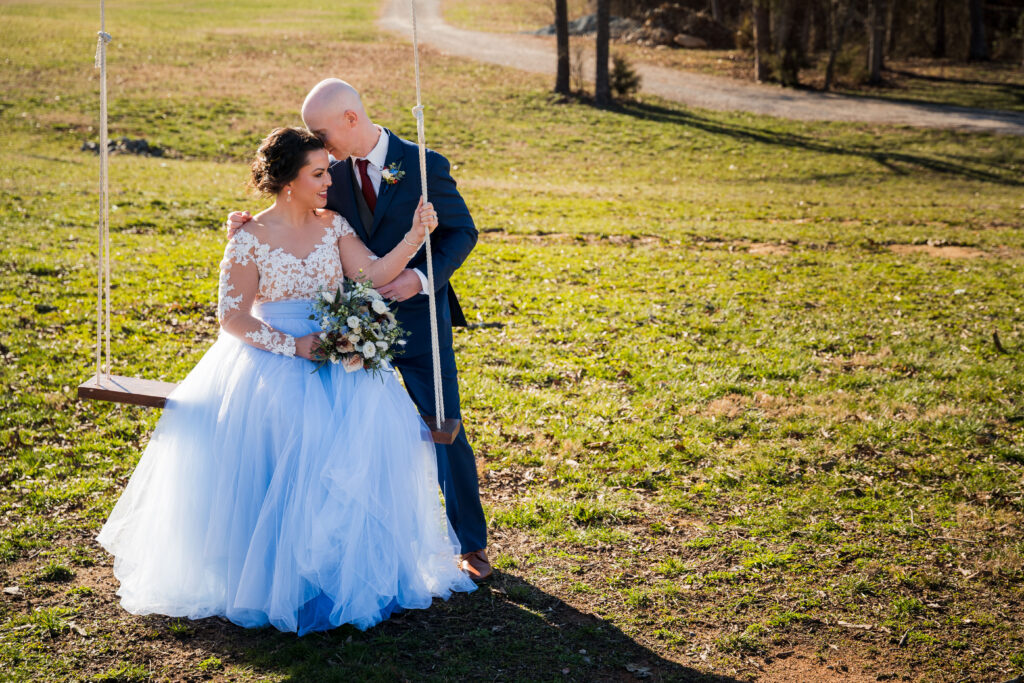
x=310 y=187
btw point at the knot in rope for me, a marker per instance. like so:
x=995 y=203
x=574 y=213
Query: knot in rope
x=417 y=112
x=102 y=38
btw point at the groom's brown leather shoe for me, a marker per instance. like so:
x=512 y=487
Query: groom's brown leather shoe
x=476 y=565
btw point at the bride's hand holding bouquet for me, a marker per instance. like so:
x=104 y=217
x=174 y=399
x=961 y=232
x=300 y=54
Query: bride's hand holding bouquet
x=359 y=329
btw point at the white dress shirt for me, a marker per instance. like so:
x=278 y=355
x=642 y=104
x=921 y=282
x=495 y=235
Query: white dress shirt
x=377 y=158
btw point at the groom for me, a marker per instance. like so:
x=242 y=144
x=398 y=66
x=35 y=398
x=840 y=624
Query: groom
x=376 y=187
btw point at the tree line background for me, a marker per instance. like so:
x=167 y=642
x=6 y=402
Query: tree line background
x=788 y=35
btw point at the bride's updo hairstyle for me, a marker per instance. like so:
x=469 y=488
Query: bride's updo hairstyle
x=280 y=157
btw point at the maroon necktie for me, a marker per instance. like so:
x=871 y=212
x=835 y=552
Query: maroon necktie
x=368 y=194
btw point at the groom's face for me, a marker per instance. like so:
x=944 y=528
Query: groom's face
x=337 y=133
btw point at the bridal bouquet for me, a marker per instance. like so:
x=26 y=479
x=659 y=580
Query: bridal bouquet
x=359 y=330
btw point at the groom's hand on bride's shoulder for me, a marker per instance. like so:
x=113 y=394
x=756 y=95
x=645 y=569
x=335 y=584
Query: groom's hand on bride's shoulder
x=235 y=221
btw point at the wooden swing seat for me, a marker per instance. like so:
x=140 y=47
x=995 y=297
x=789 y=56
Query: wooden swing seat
x=446 y=434
x=152 y=393
x=149 y=393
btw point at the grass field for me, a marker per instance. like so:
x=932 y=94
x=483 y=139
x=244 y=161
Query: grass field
x=930 y=81
x=739 y=412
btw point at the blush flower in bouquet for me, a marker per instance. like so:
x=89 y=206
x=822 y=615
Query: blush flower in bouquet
x=359 y=329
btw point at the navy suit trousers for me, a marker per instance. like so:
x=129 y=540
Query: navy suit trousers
x=456 y=464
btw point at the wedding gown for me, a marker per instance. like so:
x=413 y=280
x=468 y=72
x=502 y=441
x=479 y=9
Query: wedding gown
x=271 y=494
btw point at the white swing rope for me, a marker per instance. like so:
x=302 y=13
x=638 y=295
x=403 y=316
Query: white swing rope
x=417 y=112
x=103 y=253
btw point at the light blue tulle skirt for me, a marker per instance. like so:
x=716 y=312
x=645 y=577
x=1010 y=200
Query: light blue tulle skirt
x=270 y=494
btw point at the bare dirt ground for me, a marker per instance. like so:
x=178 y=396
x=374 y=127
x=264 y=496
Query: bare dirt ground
x=536 y=54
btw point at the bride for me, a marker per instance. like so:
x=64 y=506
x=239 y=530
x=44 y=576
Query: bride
x=270 y=493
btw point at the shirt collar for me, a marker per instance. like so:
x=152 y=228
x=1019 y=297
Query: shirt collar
x=379 y=154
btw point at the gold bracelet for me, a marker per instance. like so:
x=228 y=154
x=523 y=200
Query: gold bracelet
x=411 y=244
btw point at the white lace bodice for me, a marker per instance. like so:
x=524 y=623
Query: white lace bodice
x=284 y=276
x=251 y=272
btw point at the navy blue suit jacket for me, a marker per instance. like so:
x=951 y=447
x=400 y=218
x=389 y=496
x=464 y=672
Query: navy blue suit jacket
x=450 y=243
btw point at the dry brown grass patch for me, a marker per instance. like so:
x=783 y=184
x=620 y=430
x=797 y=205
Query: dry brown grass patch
x=254 y=76
x=732 y=405
x=937 y=251
x=753 y=248
x=570 y=237
x=768 y=249
x=865 y=360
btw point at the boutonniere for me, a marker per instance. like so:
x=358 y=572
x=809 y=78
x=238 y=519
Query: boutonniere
x=393 y=173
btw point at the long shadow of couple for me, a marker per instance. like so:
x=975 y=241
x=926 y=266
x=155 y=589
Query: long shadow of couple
x=508 y=630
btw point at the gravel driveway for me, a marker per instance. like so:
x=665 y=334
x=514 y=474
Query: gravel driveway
x=536 y=54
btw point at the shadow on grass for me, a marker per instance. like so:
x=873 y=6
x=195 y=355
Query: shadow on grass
x=1008 y=87
x=1007 y=116
x=506 y=630
x=900 y=163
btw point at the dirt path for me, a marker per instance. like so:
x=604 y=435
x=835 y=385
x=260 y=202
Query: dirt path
x=535 y=54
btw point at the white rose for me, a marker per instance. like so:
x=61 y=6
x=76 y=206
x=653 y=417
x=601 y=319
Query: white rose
x=352 y=322
x=379 y=306
x=329 y=297
x=369 y=349
x=323 y=335
x=383 y=346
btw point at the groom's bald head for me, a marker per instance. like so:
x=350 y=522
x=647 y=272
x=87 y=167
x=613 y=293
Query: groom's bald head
x=334 y=111
x=330 y=97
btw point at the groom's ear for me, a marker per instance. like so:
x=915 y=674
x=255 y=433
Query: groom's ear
x=350 y=118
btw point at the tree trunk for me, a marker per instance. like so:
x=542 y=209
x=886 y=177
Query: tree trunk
x=562 y=39
x=716 y=11
x=940 y=29
x=602 y=85
x=805 y=30
x=788 y=40
x=762 y=40
x=978 y=51
x=819 y=18
x=1020 y=34
x=891 y=20
x=876 y=40
x=839 y=26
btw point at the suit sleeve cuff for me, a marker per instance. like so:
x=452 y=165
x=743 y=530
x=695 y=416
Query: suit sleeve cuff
x=423 y=280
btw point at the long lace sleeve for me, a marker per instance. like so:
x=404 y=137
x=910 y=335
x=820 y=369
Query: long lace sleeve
x=239 y=282
x=362 y=264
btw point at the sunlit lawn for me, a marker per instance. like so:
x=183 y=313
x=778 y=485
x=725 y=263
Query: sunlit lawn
x=737 y=382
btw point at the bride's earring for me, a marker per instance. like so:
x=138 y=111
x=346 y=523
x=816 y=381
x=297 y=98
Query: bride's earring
x=289 y=197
